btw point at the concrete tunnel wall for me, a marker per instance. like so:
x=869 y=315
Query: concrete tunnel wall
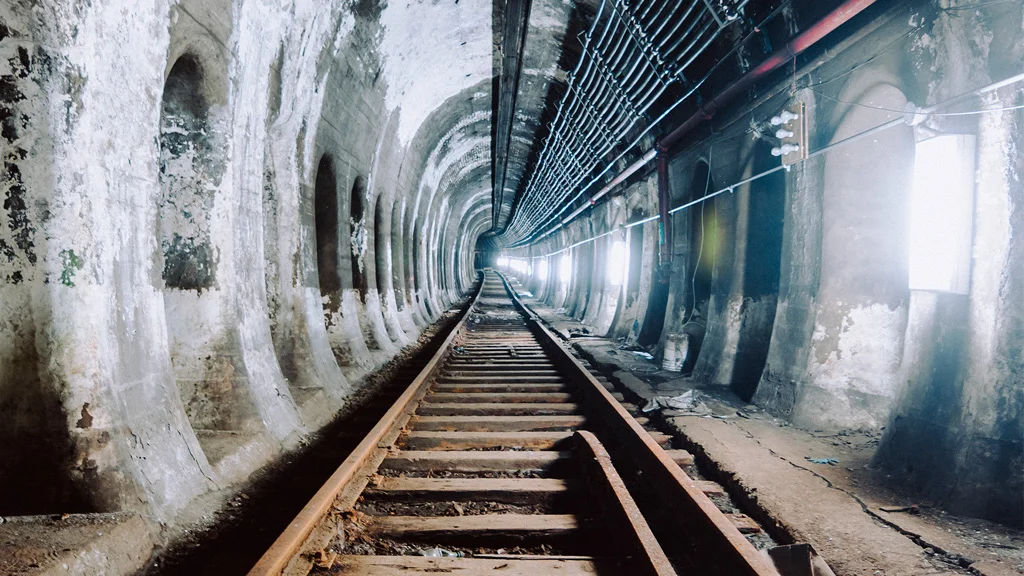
x=166 y=327
x=801 y=281
x=167 y=322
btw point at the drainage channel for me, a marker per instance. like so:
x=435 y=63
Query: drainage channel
x=493 y=460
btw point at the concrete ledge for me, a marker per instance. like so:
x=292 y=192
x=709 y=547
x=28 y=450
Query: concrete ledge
x=76 y=544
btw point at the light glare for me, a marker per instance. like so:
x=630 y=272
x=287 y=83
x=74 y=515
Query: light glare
x=941 y=212
x=616 y=266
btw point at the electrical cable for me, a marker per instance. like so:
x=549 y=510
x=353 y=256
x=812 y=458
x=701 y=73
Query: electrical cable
x=872 y=58
x=532 y=238
x=654 y=123
x=700 y=253
x=968 y=113
x=978 y=5
x=821 y=151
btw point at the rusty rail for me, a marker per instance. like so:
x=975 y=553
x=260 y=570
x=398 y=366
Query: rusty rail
x=371 y=449
x=501 y=397
x=695 y=512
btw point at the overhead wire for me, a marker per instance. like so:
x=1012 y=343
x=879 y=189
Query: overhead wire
x=546 y=183
x=883 y=109
x=700 y=253
x=533 y=238
x=819 y=152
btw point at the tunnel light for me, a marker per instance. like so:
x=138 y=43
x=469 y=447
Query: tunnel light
x=518 y=265
x=565 y=268
x=941 y=214
x=616 y=266
x=542 y=269
x=502 y=261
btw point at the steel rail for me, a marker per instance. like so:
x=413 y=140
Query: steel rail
x=309 y=532
x=676 y=489
x=288 y=543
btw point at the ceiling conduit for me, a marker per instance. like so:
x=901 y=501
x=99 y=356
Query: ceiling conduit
x=846 y=11
x=632 y=53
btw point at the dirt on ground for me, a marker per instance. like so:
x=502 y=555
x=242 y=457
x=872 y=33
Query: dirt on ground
x=226 y=532
x=72 y=543
x=804 y=485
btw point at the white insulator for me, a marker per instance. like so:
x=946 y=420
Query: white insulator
x=783 y=133
x=784 y=118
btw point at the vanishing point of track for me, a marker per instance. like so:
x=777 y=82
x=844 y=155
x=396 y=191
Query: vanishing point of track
x=493 y=461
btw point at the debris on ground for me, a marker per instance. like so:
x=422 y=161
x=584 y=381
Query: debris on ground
x=829 y=461
x=912 y=509
x=643 y=355
x=440 y=553
x=688 y=401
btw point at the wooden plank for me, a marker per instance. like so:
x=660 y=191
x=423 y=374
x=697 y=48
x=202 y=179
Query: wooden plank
x=537 y=526
x=492 y=387
x=681 y=457
x=710 y=488
x=479 y=461
x=699 y=519
x=745 y=524
x=472 y=369
x=533 y=347
x=660 y=438
x=503 y=363
x=430 y=440
x=444 y=397
x=505 y=490
x=496 y=408
x=410 y=565
x=526 y=377
x=496 y=423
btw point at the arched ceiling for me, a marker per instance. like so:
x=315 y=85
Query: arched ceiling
x=477 y=85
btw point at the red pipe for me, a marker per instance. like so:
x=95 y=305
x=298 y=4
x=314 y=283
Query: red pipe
x=845 y=12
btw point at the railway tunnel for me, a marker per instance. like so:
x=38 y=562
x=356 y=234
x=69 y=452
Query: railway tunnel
x=777 y=241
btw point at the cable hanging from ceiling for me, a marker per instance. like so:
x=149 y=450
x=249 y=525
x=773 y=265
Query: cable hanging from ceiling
x=634 y=51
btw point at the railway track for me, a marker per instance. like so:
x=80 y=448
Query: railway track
x=493 y=461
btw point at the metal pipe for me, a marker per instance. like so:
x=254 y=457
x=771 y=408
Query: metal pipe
x=629 y=171
x=623 y=58
x=794 y=47
x=846 y=11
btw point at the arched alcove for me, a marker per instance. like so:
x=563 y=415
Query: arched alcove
x=397 y=270
x=190 y=170
x=358 y=234
x=861 y=311
x=325 y=217
x=635 y=247
x=193 y=230
x=586 y=270
x=765 y=213
x=701 y=225
x=382 y=264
